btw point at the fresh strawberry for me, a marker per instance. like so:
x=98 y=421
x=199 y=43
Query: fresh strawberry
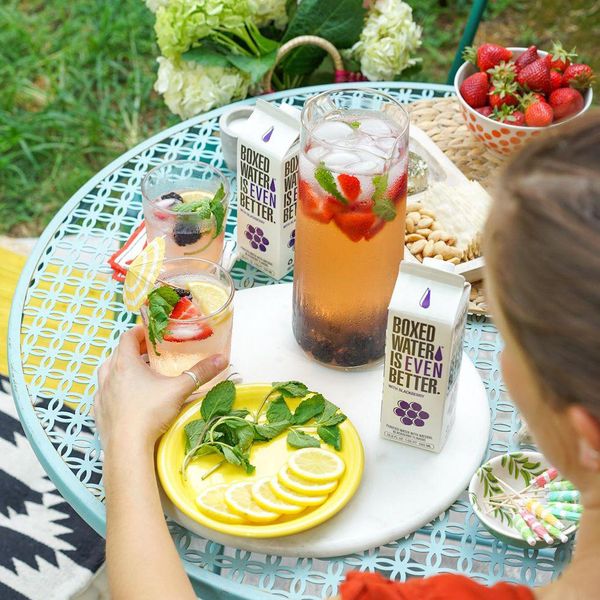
x=474 y=90
x=187 y=326
x=486 y=111
x=539 y=114
x=535 y=76
x=503 y=93
x=529 y=56
x=558 y=58
x=566 y=102
x=578 y=76
x=504 y=72
x=487 y=55
x=317 y=207
x=397 y=190
x=350 y=186
x=184 y=309
x=355 y=224
x=508 y=114
x=555 y=80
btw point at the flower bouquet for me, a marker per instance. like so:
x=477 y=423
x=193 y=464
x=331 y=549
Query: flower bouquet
x=218 y=51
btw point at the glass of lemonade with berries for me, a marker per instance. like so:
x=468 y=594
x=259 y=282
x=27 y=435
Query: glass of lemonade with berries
x=186 y=202
x=188 y=316
x=350 y=223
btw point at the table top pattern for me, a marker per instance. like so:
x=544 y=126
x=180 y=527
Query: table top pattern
x=67 y=315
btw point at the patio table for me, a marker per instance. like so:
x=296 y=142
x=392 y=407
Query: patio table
x=67 y=315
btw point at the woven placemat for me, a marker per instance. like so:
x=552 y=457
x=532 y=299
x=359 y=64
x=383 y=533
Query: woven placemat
x=443 y=122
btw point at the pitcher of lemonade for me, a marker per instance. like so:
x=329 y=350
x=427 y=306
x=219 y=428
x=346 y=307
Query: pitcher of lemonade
x=350 y=223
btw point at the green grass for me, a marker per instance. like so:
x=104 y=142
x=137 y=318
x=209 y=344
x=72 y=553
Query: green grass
x=76 y=81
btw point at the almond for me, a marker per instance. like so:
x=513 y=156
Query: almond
x=428 y=249
x=424 y=222
x=418 y=246
x=424 y=232
x=410 y=225
x=414 y=237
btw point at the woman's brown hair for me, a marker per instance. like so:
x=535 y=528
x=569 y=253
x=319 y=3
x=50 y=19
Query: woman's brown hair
x=543 y=255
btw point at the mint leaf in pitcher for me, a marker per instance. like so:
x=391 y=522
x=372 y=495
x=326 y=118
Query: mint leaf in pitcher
x=326 y=180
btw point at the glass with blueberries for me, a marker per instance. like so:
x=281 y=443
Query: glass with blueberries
x=186 y=202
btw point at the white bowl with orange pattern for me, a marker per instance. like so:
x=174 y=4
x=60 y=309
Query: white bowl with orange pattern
x=502 y=138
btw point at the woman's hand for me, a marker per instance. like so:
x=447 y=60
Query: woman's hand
x=135 y=403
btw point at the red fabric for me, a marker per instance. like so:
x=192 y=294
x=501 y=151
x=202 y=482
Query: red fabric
x=372 y=586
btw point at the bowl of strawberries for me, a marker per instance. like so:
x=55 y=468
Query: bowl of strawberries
x=508 y=95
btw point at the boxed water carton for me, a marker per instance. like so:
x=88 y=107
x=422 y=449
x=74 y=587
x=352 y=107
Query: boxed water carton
x=423 y=353
x=267 y=183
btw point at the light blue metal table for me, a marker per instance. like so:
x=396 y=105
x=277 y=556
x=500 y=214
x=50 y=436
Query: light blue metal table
x=67 y=316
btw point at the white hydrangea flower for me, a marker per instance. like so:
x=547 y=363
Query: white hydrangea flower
x=267 y=11
x=190 y=89
x=387 y=41
x=154 y=5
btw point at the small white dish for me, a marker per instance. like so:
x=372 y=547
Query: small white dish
x=517 y=469
x=230 y=124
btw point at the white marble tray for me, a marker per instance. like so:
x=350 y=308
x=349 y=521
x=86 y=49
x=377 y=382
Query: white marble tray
x=403 y=488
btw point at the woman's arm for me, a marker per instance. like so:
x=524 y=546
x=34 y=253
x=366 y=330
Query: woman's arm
x=133 y=407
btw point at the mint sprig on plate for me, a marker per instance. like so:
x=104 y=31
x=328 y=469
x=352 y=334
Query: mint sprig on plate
x=161 y=302
x=205 y=208
x=231 y=433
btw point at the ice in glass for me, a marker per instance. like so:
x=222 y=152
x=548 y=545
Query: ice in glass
x=198 y=318
x=186 y=202
x=350 y=224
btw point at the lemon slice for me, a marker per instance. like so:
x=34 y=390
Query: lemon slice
x=288 y=495
x=316 y=464
x=238 y=498
x=303 y=486
x=210 y=297
x=264 y=496
x=212 y=503
x=142 y=274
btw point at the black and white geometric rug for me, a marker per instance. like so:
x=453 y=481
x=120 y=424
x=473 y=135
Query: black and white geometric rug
x=47 y=552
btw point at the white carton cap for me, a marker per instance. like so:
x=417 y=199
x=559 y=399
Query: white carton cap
x=441 y=265
x=290 y=110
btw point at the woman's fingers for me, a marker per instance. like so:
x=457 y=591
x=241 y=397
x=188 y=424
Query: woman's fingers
x=131 y=342
x=205 y=370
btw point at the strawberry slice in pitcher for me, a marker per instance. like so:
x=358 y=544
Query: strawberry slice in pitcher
x=355 y=224
x=187 y=327
x=397 y=189
x=319 y=208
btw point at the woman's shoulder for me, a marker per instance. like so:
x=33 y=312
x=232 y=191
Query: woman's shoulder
x=372 y=586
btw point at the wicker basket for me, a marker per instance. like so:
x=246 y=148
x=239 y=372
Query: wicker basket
x=340 y=74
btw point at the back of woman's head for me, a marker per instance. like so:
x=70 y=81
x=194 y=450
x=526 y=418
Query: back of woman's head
x=543 y=255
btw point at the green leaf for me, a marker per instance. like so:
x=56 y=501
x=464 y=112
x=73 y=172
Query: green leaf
x=245 y=436
x=218 y=210
x=331 y=435
x=328 y=412
x=326 y=180
x=199 y=207
x=193 y=431
x=206 y=56
x=293 y=389
x=218 y=401
x=268 y=431
x=333 y=420
x=161 y=302
x=231 y=456
x=380 y=183
x=308 y=409
x=299 y=439
x=355 y=124
x=339 y=21
x=254 y=66
x=278 y=411
x=385 y=209
x=241 y=413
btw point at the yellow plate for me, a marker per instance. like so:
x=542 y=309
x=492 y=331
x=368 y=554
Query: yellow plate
x=267 y=457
